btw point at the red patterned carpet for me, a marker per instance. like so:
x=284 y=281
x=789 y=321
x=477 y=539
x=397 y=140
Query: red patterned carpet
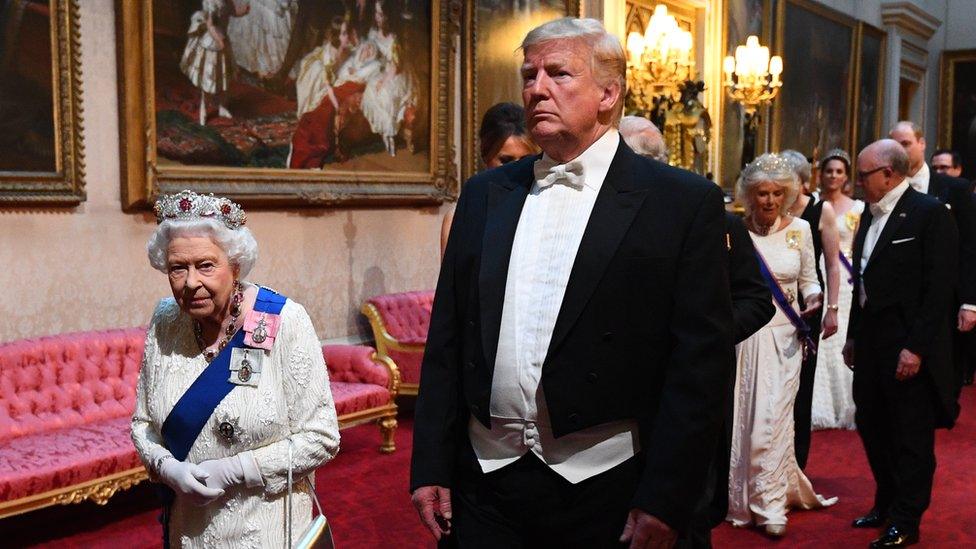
x=365 y=496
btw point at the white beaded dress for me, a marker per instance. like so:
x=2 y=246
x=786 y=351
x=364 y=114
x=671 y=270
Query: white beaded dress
x=833 y=399
x=764 y=478
x=292 y=400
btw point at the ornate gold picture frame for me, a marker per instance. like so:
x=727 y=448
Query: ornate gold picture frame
x=957 y=109
x=490 y=63
x=244 y=128
x=41 y=152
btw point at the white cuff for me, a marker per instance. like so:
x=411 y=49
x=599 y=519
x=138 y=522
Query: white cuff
x=968 y=307
x=252 y=475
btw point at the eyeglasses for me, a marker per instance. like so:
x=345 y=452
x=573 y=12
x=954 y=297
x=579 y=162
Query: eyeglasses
x=861 y=176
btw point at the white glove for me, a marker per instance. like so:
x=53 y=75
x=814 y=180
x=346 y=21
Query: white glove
x=223 y=473
x=187 y=479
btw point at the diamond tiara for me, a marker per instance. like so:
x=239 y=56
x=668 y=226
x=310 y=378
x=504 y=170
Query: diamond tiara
x=190 y=205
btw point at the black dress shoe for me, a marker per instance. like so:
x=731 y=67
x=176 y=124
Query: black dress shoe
x=873 y=519
x=896 y=537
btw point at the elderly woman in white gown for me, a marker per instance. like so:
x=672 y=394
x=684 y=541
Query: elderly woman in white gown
x=764 y=478
x=232 y=384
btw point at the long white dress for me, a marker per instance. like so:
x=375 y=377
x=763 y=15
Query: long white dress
x=764 y=478
x=204 y=62
x=262 y=35
x=833 y=398
x=390 y=92
x=315 y=75
x=292 y=400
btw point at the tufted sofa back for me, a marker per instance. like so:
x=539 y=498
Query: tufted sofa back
x=354 y=364
x=406 y=315
x=62 y=381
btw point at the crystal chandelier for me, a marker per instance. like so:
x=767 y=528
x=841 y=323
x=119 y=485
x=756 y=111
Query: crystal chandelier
x=659 y=61
x=752 y=78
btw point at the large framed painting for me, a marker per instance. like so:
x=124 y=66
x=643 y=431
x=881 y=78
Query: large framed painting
x=813 y=111
x=41 y=149
x=288 y=102
x=870 y=86
x=957 y=110
x=492 y=60
x=743 y=18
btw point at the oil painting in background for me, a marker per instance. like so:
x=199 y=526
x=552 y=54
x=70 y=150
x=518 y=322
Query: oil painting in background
x=300 y=84
x=500 y=27
x=869 y=86
x=27 y=136
x=812 y=114
x=959 y=105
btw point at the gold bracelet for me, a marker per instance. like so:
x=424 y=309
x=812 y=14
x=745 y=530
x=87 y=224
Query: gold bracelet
x=833 y=307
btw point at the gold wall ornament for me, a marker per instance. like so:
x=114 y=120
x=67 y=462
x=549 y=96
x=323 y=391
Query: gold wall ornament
x=59 y=180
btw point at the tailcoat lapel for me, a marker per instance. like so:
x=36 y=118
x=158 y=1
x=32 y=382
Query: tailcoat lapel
x=506 y=197
x=938 y=189
x=904 y=206
x=617 y=203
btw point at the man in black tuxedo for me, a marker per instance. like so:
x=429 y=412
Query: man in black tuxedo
x=752 y=308
x=899 y=338
x=956 y=194
x=580 y=343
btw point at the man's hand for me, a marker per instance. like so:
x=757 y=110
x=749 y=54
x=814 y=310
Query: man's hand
x=645 y=531
x=908 y=365
x=967 y=320
x=848 y=353
x=433 y=503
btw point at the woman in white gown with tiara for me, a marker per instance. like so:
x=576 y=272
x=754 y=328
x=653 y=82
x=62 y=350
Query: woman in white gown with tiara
x=833 y=401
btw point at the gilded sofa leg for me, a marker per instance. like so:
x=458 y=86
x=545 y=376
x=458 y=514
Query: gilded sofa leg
x=388 y=427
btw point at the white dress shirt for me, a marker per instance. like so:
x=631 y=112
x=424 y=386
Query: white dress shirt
x=547 y=239
x=920 y=181
x=880 y=212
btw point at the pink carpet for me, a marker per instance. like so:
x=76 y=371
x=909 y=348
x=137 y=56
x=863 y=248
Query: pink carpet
x=365 y=496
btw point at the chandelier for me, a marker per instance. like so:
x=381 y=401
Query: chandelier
x=752 y=78
x=659 y=61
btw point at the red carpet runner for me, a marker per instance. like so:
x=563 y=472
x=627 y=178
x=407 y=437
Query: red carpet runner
x=365 y=496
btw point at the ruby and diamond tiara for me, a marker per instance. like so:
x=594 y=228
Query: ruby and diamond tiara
x=186 y=205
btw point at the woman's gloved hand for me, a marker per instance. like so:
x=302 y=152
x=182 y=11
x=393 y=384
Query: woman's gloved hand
x=223 y=473
x=188 y=479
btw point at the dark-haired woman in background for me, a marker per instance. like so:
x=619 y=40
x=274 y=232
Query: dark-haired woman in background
x=503 y=139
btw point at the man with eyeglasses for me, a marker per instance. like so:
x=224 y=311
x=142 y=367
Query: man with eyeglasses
x=947 y=162
x=899 y=341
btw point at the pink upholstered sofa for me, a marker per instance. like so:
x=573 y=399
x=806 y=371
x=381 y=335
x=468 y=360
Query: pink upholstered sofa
x=66 y=403
x=400 y=323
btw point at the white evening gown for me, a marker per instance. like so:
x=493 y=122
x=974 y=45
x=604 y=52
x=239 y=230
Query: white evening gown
x=292 y=400
x=764 y=478
x=833 y=399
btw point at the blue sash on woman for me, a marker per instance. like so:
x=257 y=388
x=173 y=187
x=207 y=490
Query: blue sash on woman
x=779 y=296
x=847 y=265
x=192 y=412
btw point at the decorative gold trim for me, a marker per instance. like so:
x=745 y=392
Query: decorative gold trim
x=947 y=87
x=98 y=490
x=143 y=179
x=384 y=341
x=66 y=186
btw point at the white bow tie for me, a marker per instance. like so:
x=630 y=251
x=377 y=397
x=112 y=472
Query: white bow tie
x=877 y=210
x=570 y=173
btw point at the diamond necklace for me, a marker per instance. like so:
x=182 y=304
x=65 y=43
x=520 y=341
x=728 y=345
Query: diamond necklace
x=235 y=311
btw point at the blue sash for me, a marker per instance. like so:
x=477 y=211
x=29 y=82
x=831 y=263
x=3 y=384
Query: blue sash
x=847 y=265
x=192 y=412
x=779 y=296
